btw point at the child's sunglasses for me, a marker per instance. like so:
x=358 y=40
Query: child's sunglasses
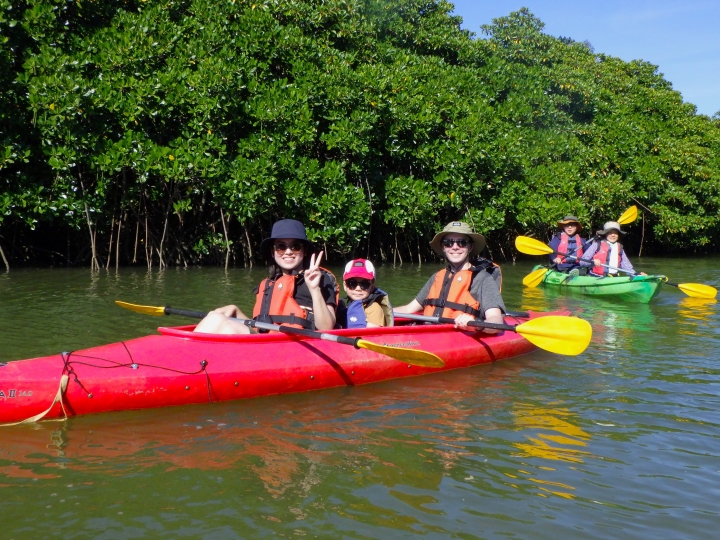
x=352 y=284
x=281 y=247
x=448 y=243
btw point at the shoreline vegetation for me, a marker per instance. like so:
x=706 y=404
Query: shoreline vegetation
x=176 y=132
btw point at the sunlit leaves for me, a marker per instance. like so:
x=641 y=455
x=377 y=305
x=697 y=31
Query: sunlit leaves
x=352 y=115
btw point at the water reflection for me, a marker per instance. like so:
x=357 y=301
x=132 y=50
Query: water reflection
x=621 y=326
x=532 y=447
x=534 y=299
x=281 y=440
x=550 y=427
x=696 y=316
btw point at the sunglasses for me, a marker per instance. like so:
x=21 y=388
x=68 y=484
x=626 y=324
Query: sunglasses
x=281 y=247
x=448 y=243
x=353 y=284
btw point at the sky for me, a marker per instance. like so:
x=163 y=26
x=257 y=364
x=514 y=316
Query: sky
x=681 y=37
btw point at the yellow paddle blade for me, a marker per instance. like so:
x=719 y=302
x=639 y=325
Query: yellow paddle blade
x=628 y=216
x=698 y=290
x=534 y=278
x=410 y=356
x=147 y=310
x=557 y=334
x=530 y=246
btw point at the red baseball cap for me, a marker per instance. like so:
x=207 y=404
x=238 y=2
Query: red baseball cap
x=359 y=268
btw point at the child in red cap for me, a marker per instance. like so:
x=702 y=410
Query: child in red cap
x=367 y=306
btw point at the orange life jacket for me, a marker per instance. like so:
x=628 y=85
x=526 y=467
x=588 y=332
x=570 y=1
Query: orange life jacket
x=275 y=301
x=603 y=253
x=450 y=295
x=564 y=243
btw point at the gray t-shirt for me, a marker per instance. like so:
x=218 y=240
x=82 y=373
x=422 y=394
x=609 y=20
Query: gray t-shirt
x=483 y=289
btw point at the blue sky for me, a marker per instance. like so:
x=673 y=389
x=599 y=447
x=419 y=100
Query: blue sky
x=681 y=37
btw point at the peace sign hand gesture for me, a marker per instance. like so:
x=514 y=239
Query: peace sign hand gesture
x=313 y=273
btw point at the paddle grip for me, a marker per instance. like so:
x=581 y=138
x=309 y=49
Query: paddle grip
x=345 y=340
x=185 y=312
x=303 y=332
x=480 y=324
x=445 y=320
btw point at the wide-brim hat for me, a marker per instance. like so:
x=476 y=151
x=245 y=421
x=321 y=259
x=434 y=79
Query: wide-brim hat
x=570 y=219
x=291 y=229
x=611 y=226
x=458 y=227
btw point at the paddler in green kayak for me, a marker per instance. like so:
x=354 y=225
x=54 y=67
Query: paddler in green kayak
x=297 y=291
x=568 y=241
x=468 y=288
x=609 y=252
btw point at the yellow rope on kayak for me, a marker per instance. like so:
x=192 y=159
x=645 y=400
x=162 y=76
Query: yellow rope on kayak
x=58 y=398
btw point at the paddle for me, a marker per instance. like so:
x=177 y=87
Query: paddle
x=530 y=246
x=554 y=333
x=409 y=356
x=628 y=216
x=534 y=278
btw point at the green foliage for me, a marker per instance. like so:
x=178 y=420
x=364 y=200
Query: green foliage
x=159 y=125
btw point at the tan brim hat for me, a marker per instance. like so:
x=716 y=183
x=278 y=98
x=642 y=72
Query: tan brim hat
x=459 y=227
x=570 y=219
x=611 y=226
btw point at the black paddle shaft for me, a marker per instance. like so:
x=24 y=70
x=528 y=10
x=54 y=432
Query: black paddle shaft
x=480 y=324
x=302 y=332
x=446 y=320
x=185 y=312
x=266 y=326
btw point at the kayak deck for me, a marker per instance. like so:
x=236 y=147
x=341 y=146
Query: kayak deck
x=179 y=367
x=636 y=288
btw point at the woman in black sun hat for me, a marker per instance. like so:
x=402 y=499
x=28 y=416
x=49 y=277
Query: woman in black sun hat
x=297 y=291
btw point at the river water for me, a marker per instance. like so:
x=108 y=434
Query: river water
x=622 y=441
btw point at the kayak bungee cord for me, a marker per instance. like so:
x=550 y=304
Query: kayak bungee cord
x=69 y=371
x=132 y=365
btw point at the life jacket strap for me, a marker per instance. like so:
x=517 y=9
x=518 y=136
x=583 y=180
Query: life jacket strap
x=292 y=319
x=436 y=302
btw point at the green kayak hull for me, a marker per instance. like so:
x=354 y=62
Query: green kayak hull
x=639 y=289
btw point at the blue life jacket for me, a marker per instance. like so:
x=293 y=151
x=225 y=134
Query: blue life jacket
x=356 y=309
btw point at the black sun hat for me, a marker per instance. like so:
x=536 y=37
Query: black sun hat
x=291 y=229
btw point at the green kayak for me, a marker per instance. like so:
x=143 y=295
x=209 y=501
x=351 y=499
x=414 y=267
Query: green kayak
x=627 y=288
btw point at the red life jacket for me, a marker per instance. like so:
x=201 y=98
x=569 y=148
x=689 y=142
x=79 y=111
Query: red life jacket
x=275 y=301
x=603 y=254
x=450 y=295
x=563 y=247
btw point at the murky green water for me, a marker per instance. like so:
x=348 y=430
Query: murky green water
x=620 y=442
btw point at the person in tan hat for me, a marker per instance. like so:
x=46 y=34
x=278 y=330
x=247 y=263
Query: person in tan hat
x=568 y=241
x=461 y=291
x=608 y=251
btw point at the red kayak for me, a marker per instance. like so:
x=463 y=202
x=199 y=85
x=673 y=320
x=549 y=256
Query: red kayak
x=179 y=367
